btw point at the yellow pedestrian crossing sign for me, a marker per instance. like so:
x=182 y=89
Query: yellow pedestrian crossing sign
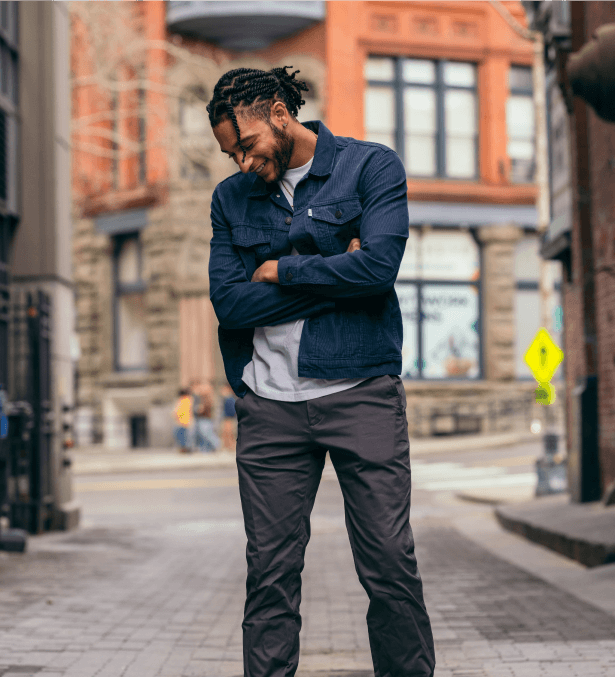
x=543 y=357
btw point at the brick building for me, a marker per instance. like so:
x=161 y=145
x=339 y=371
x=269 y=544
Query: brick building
x=447 y=84
x=581 y=235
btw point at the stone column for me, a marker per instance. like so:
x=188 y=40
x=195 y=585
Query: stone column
x=498 y=287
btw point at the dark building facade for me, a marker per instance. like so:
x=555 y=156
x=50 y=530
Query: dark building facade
x=582 y=236
x=37 y=338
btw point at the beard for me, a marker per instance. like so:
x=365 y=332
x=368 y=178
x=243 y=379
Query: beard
x=282 y=151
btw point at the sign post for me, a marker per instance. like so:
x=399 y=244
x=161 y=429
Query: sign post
x=543 y=357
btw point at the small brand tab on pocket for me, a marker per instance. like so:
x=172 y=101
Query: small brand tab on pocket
x=309 y=212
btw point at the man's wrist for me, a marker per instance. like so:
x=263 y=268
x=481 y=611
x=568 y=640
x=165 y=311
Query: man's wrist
x=273 y=275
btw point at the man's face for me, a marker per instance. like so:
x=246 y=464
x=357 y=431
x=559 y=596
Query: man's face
x=268 y=147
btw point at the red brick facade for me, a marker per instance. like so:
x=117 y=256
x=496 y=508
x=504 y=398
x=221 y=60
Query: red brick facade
x=593 y=152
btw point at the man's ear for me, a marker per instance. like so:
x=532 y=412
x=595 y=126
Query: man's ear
x=279 y=114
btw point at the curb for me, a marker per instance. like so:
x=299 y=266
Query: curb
x=582 y=532
x=93 y=461
x=85 y=463
x=444 y=445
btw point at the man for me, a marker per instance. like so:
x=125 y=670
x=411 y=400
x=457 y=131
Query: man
x=311 y=334
x=183 y=421
x=228 y=419
x=205 y=435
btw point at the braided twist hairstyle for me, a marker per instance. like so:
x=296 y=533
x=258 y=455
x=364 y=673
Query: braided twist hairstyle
x=255 y=90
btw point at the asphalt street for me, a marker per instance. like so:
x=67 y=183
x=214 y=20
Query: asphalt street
x=152 y=583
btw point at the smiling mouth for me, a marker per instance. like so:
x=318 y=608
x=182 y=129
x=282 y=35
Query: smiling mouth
x=260 y=169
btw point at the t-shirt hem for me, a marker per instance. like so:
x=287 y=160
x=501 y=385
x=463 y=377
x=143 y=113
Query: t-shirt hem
x=301 y=395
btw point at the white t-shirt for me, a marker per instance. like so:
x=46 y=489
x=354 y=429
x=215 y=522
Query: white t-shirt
x=273 y=372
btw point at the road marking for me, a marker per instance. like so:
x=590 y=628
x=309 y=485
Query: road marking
x=178 y=483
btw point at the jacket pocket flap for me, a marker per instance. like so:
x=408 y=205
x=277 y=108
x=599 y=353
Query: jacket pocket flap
x=247 y=236
x=338 y=212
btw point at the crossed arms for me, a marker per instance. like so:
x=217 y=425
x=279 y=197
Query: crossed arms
x=369 y=266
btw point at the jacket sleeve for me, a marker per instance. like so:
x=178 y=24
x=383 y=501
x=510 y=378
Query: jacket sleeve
x=242 y=304
x=372 y=270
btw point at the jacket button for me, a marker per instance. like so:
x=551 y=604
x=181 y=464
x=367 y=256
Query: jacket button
x=288 y=220
x=338 y=214
x=289 y=276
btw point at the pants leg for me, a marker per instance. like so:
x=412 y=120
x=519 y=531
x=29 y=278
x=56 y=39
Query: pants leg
x=366 y=432
x=279 y=471
x=208 y=440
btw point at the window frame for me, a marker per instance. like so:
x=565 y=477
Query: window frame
x=419 y=283
x=120 y=289
x=399 y=85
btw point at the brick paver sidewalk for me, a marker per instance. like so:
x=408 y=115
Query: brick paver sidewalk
x=114 y=601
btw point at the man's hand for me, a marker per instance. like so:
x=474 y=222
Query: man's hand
x=268 y=272
x=355 y=244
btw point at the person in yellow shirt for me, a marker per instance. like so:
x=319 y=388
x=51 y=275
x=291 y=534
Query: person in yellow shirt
x=183 y=421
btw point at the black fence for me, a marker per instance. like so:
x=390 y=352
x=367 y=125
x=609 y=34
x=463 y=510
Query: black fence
x=26 y=480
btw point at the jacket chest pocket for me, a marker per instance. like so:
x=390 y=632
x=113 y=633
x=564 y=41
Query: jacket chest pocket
x=335 y=224
x=257 y=245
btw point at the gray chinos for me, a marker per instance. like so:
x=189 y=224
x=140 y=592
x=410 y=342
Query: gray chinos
x=281 y=450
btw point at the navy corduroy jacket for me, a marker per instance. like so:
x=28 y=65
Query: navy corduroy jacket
x=353 y=325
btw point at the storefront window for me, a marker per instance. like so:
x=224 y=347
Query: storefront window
x=439 y=295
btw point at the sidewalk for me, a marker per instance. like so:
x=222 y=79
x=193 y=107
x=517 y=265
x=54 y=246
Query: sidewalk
x=97 y=459
x=584 y=532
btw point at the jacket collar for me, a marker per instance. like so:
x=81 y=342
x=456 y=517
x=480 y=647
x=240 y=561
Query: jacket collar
x=322 y=166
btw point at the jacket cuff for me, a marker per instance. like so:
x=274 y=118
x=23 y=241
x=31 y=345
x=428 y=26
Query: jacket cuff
x=288 y=269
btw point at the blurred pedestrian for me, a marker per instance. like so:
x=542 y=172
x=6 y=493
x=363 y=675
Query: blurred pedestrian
x=311 y=336
x=183 y=421
x=205 y=436
x=229 y=434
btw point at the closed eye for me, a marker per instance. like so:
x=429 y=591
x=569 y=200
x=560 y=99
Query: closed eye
x=232 y=155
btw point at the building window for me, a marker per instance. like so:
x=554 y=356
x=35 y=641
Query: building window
x=130 y=336
x=9 y=100
x=5 y=236
x=194 y=126
x=9 y=80
x=426 y=111
x=438 y=287
x=520 y=125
